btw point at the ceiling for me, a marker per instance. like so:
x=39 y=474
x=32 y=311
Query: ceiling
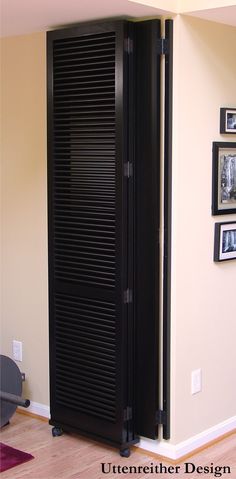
x=20 y=17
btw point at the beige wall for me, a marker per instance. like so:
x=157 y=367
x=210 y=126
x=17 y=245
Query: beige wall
x=182 y=6
x=24 y=243
x=203 y=292
x=167 y=5
x=192 y=5
x=203 y=308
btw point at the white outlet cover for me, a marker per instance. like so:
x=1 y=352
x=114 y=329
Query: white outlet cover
x=17 y=350
x=196 y=381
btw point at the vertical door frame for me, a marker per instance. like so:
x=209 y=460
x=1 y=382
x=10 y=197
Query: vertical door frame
x=168 y=118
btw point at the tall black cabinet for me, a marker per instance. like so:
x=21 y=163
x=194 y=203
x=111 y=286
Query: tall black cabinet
x=103 y=210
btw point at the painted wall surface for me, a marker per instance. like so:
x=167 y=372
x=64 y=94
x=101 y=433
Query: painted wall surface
x=203 y=292
x=24 y=195
x=168 y=5
x=203 y=305
x=192 y=5
x=181 y=6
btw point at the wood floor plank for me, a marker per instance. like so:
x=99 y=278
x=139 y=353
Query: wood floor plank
x=74 y=457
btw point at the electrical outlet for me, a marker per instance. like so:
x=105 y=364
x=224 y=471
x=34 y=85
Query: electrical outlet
x=196 y=381
x=17 y=350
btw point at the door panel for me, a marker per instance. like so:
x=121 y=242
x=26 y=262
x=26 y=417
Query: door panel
x=147 y=205
x=88 y=240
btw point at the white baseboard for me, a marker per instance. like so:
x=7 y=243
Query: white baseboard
x=164 y=448
x=38 y=409
x=177 y=451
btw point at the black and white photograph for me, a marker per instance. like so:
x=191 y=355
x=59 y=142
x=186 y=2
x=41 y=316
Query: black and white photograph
x=225 y=241
x=229 y=241
x=224 y=178
x=228 y=120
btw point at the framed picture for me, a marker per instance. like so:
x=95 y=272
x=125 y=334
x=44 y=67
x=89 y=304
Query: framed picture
x=223 y=178
x=228 y=120
x=225 y=241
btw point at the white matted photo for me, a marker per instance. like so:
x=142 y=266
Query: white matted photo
x=228 y=120
x=225 y=241
x=224 y=178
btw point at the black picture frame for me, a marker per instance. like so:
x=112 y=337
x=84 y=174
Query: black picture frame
x=228 y=121
x=225 y=241
x=223 y=178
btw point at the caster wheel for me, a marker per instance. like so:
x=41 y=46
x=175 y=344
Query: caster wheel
x=57 y=431
x=125 y=452
x=7 y=424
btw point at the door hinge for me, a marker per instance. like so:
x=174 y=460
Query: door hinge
x=128 y=413
x=128 y=45
x=128 y=169
x=163 y=46
x=160 y=417
x=128 y=296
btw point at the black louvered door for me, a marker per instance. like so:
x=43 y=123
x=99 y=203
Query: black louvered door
x=104 y=143
x=90 y=318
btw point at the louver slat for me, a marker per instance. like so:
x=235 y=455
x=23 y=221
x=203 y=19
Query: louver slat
x=88 y=230
x=84 y=160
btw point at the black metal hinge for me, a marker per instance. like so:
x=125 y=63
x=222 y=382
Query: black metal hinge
x=128 y=45
x=128 y=169
x=128 y=296
x=163 y=46
x=161 y=417
x=128 y=413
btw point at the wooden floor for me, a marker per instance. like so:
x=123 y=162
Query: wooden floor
x=73 y=457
